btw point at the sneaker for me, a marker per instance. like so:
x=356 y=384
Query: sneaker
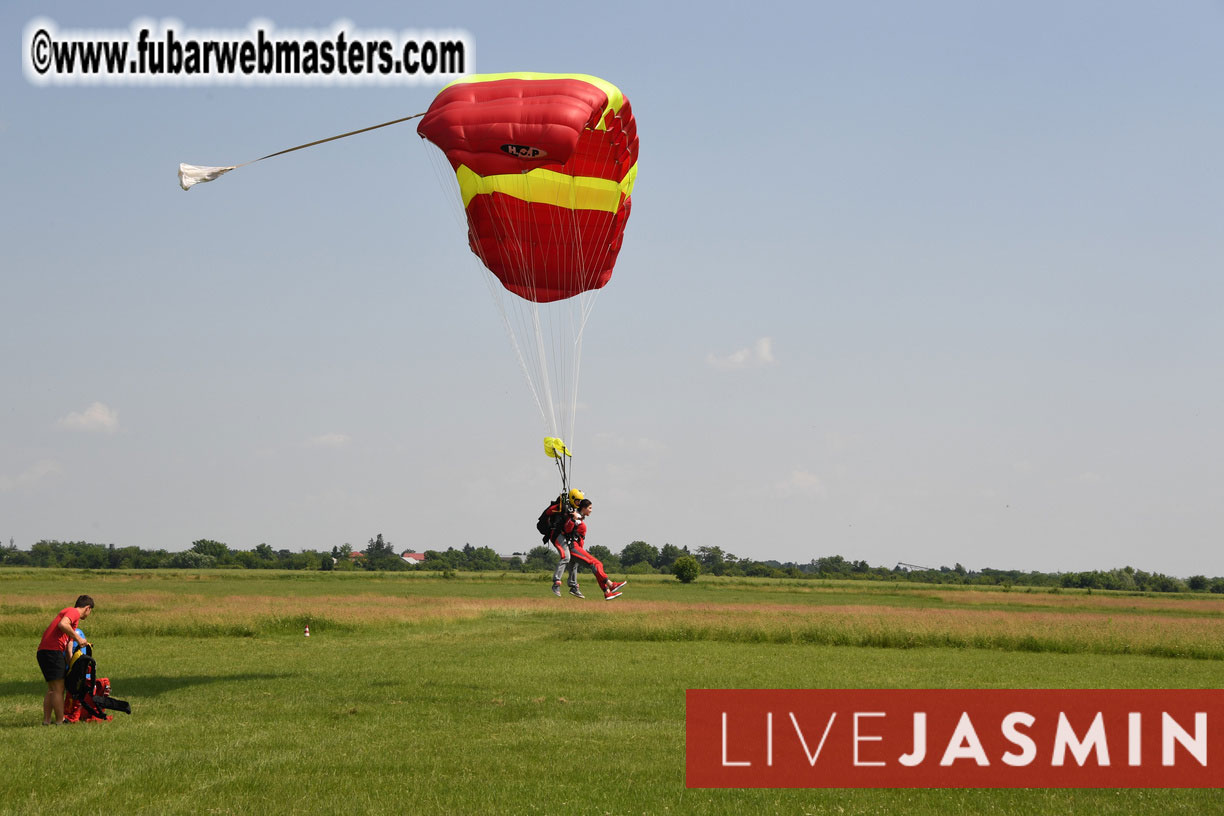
x=577 y=593
x=610 y=595
x=557 y=589
x=616 y=586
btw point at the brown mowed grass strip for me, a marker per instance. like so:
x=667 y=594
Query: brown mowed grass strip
x=1128 y=630
x=200 y=615
x=267 y=612
x=194 y=615
x=1039 y=631
x=1097 y=600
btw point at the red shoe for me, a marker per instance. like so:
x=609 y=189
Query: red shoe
x=615 y=586
x=610 y=595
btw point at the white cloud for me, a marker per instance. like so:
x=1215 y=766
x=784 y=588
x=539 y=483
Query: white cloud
x=97 y=418
x=329 y=440
x=799 y=484
x=758 y=355
x=35 y=473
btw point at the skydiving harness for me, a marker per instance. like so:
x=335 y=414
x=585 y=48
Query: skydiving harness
x=551 y=521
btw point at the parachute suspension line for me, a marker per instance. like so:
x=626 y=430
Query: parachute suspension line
x=520 y=319
x=546 y=386
x=527 y=314
x=585 y=302
x=511 y=309
x=549 y=353
x=564 y=477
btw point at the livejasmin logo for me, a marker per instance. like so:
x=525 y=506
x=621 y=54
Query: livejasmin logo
x=964 y=738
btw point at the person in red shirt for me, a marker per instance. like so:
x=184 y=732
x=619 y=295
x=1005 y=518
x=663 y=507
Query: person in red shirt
x=574 y=532
x=53 y=655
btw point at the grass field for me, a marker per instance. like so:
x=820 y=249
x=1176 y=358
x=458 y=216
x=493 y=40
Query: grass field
x=484 y=693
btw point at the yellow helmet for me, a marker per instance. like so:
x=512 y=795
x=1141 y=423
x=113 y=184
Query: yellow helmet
x=575 y=496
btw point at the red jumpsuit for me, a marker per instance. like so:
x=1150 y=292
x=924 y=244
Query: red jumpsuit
x=575 y=531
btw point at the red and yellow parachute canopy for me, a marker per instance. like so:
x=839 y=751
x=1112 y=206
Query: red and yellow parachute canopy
x=545 y=165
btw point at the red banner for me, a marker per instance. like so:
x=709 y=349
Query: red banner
x=955 y=738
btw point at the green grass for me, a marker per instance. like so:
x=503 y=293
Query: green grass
x=477 y=695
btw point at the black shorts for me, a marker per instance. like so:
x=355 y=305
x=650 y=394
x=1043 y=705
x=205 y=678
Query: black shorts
x=54 y=664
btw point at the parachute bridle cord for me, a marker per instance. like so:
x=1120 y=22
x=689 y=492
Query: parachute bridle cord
x=341 y=136
x=191 y=174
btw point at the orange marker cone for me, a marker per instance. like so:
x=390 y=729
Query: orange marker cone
x=308 y=630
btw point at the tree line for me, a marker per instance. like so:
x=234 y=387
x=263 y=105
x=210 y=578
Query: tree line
x=638 y=557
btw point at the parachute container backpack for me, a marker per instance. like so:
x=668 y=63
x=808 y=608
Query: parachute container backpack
x=87 y=696
x=543 y=166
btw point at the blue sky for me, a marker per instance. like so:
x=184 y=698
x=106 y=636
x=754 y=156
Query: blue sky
x=930 y=283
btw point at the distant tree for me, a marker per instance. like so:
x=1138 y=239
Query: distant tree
x=481 y=558
x=832 y=565
x=686 y=569
x=377 y=548
x=144 y=559
x=220 y=552
x=1198 y=583
x=638 y=552
x=45 y=554
x=381 y=555
x=542 y=557
x=80 y=555
x=1165 y=583
x=714 y=560
x=669 y=554
x=610 y=560
x=248 y=560
x=14 y=557
x=452 y=559
x=759 y=570
x=377 y=552
x=191 y=559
